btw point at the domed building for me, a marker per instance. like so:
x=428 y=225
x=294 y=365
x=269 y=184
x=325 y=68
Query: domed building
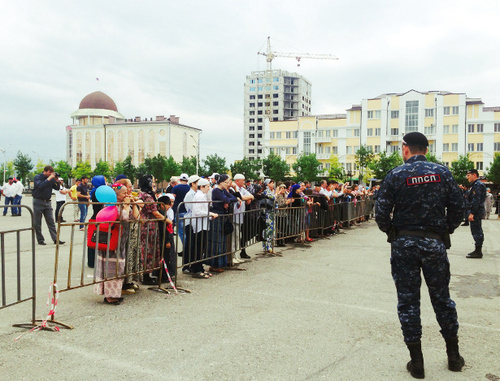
x=100 y=132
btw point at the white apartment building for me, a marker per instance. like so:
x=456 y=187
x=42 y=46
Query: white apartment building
x=271 y=95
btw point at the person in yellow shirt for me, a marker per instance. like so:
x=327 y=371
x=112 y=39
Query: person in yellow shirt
x=73 y=195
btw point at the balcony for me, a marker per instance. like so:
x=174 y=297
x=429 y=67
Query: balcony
x=323 y=156
x=322 y=139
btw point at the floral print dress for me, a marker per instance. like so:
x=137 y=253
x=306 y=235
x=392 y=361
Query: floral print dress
x=267 y=243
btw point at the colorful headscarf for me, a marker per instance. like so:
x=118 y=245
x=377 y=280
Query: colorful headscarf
x=293 y=191
x=97 y=181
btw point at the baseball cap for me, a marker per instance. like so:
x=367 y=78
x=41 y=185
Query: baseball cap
x=193 y=179
x=213 y=175
x=239 y=176
x=184 y=177
x=203 y=182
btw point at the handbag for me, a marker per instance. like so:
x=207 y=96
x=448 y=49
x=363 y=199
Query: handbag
x=99 y=238
x=228 y=227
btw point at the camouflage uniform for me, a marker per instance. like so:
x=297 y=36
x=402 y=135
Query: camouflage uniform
x=475 y=202
x=426 y=203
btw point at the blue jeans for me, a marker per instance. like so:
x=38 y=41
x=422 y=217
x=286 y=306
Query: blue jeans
x=83 y=213
x=17 y=201
x=180 y=228
x=9 y=200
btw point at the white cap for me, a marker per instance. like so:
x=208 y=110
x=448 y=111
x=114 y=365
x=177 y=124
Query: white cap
x=203 y=182
x=213 y=175
x=239 y=176
x=184 y=177
x=193 y=179
x=174 y=179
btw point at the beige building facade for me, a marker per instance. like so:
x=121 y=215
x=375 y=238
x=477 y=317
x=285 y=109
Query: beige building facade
x=453 y=123
x=100 y=132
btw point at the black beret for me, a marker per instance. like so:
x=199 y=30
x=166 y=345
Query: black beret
x=415 y=139
x=473 y=172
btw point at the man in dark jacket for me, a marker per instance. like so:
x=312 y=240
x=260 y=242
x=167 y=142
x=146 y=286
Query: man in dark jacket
x=475 y=203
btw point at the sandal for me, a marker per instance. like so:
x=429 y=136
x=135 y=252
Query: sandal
x=200 y=275
x=115 y=302
x=216 y=270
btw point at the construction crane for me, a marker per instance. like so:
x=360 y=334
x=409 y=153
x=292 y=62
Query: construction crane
x=270 y=55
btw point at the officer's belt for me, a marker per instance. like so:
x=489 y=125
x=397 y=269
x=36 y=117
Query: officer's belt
x=420 y=233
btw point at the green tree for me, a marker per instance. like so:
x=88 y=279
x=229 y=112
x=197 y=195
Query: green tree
x=364 y=156
x=126 y=168
x=432 y=158
x=248 y=168
x=493 y=173
x=23 y=165
x=82 y=168
x=460 y=167
x=155 y=166
x=214 y=163
x=63 y=168
x=188 y=165
x=306 y=167
x=9 y=170
x=336 y=171
x=142 y=170
x=103 y=168
x=171 y=168
x=383 y=164
x=275 y=167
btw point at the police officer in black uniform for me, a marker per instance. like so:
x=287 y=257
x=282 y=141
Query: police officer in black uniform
x=427 y=206
x=475 y=202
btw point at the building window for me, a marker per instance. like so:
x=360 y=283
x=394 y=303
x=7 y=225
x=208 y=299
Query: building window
x=479 y=165
x=259 y=112
x=470 y=147
x=446 y=110
x=320 y=133
x=251 y=128
x=259 y=136
x=252 y=88
x=394 y=131
x=252 y=81
x=446 y=147
x=259 y=104
x=446 y=129
x=497 y=127
x=376 y=149
x=429 y=112
x=268 y=88
x=455 y=110
x=275 y=103
x=432 y=147
x=327 y=133
x=454 y=147
x=261 y=88
x=374 y=114
x=251 y=120
x=479 y=147
x=377 y=132
x=288 y=134
x=295 y=134
x=454 y=129
x=259 y=128
x=276 y=79
x=349 y=150
x=496 y=147
x=356 y=132
x=271 y=135
x=307 y=142
x=251 y=143
x=251 y=104
x=275 y=112
x=471 y=128
x=294 y=150
x=328 y=149
x=251 y=151
x=395 y=114
x=411 y=118
x=252 y=112
x=275 y=95
x=276 y=87
x=251 y=136
x=278 y=135
x=252 y=96
x=259 y=96
x=259 y=120
x=369 y=132
x=430 y=130
x=480 y=127
x=335 y=133
x=259 y=151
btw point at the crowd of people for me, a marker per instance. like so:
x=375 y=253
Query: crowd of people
x=12 y=191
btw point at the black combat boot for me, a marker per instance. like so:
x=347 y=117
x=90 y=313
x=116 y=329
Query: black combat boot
x=244 y=254
x=455 y=361
x=477 y=253
x=416 y=365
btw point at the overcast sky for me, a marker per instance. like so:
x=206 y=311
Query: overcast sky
x=190 y=58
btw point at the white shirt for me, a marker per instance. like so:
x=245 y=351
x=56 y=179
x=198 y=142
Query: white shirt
x=188 y=199
x=237 y=219
x=326 y=192
x=200 y=212
x=19 y=188
x=59 y=195
x=9 y=190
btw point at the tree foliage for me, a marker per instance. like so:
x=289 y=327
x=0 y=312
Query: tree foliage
x=432 y=158
x=336 y=171
x=214 y=163
x=155 y=166
x=40 y=165
x=126 y=168
x=275 y=167
x=23 y=165
x=103 y=168
x=493 y=173
x=385 y=163
x=306 y=167
x=63 y=168
x=9 y=170
x=364 y=156
x=188 y=165
x=171 y=168
x=82 y=168
x=248 y=168
x=460 y=167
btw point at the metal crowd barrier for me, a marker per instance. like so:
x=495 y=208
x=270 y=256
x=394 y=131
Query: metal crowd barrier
x=140 y=250
x=7 y=256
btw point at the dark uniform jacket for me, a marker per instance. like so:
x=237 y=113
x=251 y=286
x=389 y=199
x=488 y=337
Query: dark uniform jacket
x=42 y=188
x=421 y=196
x=476 y=198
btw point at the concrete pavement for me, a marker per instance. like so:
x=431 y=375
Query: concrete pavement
x=321 y=311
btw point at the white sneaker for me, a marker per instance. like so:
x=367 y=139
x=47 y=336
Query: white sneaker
x=236 y=260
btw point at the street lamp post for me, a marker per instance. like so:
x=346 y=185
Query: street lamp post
x=4 y=160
